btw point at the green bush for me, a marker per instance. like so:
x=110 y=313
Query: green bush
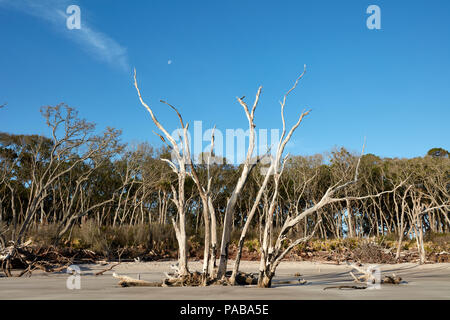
x=252 y=245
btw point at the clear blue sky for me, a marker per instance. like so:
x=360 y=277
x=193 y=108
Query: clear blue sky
x=390 y=85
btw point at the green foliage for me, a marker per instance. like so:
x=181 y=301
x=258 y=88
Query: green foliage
x=438 y=153
x=252 y=245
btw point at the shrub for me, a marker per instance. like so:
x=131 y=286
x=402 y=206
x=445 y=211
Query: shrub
x=252 y=245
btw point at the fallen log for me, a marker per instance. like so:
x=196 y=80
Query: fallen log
x=126 y=281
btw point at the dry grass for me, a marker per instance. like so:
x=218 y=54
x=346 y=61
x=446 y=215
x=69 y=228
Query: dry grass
x=158 y=241
x=107 y=240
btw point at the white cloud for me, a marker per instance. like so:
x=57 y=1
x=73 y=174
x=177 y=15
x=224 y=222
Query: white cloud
x=98 y=44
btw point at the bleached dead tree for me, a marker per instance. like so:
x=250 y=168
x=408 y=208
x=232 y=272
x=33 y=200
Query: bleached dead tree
x=183 y=168
x=212 y=213
x=274 y=251
x=205 y=194
x=185 y=161
x=209 y=217
x=179 y=168
x=247 y=167
x=273 y=170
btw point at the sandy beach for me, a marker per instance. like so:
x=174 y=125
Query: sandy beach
x=429 y=281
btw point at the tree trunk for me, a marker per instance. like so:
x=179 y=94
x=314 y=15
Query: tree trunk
x=350 y=219
x=213 y=254
x=206 y=251
x=265 y=279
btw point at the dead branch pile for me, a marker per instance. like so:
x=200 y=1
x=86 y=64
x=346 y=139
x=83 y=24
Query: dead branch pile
x=371 y=252
x=391 y=279
x=192 y=279
x=28 y=258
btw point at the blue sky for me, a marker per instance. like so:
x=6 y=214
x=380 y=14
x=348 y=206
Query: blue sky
x=390 y=85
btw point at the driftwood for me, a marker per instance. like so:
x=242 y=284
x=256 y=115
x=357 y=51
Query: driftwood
x=367 y=274
x=369 y=277
x=192 y=279
x=126 y=281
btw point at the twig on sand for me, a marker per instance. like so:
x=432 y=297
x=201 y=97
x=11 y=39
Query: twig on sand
x=107 y=269
x=114 y=265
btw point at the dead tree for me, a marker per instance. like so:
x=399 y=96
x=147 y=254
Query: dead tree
x=185 y=168
x=180 y=153
x=272 y=252
x=247 y=167
x=275 y=171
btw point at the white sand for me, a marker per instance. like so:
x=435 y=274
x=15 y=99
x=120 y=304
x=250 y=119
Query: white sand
x=430 y=281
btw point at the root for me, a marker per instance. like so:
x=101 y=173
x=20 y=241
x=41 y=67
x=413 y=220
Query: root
x=196 y=279
x=243 y=279
x=391 y=279
x=193 y=279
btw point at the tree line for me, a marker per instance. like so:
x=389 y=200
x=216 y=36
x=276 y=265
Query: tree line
x=75 y=173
